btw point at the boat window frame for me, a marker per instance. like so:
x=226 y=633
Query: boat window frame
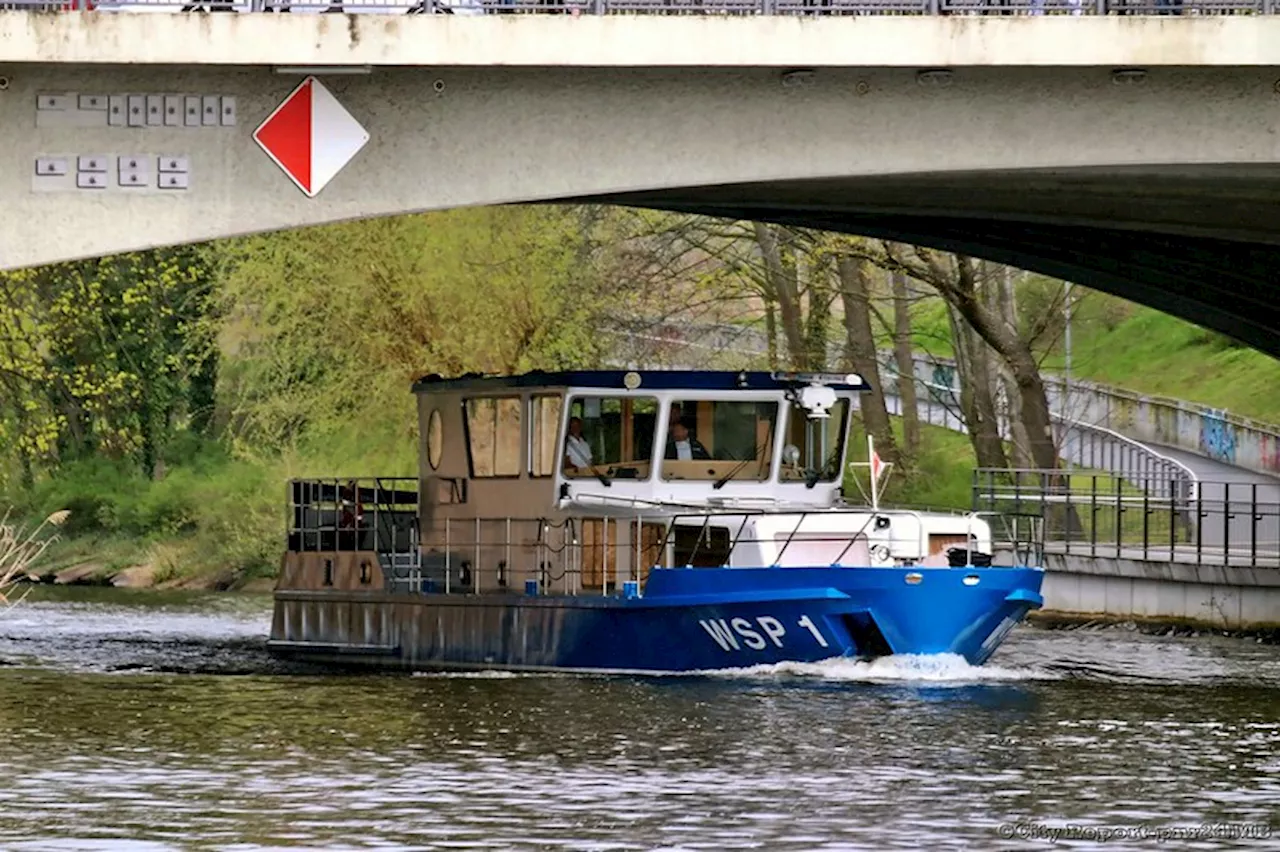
x=775 y=398
x=558 y=433
x=659 y=398
x=793 y=409
x=466 y=432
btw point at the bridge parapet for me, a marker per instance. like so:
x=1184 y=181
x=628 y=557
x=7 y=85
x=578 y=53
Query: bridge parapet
x=785 y=34
x=805 y=8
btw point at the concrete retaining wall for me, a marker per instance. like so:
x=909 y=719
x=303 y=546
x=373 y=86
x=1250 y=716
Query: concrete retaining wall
x=1209 y=432
x=1216 y=596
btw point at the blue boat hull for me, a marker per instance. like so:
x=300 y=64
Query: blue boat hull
x=687 y=620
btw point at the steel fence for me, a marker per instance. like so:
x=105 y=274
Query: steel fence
x=730 y=8
x=1151 y=519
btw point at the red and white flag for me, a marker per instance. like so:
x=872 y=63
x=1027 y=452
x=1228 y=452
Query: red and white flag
x=877 y=468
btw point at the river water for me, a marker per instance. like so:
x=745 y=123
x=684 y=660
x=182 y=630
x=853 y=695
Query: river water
x=152 y=722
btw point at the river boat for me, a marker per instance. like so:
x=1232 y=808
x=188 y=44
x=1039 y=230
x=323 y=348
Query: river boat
x=634 y=521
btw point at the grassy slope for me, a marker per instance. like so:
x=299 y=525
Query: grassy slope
x=943 y=476
x=1141 y=349
x=1157 y=354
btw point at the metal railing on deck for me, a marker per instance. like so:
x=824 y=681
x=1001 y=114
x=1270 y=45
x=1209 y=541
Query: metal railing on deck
x=592 y=554
x=1160 y=517
x=683 y=7
x=344 y=514
x=481 y=555
x=836 y=548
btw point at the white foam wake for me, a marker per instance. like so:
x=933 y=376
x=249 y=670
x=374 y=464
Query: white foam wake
x=898 y=668
x=479 y=674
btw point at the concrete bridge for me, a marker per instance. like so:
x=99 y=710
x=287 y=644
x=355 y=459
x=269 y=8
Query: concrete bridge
x=1133 y=154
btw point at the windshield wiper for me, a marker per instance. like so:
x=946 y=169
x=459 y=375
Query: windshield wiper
x=720 y=483
x=815 y=474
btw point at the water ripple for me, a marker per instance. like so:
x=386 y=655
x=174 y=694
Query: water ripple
x=131 y=726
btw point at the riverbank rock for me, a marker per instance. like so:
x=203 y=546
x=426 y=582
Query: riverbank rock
x=86 y=574
x=218 y=581
x=137 y=577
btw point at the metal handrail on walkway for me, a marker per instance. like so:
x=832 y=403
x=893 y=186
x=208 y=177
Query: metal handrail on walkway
x=1108 y=449
x=807 y=8
x=1123 y=455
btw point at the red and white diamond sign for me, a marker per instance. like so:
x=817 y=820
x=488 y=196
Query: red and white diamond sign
x=311 y=136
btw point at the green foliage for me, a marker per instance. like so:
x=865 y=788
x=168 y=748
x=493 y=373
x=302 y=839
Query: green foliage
x=328 y=327
x=101 y=494
x=1156 y=354
x=930 y=328
x=167 y=397
x=940 y=478
x=217 y=513
x=109 y=496
x=95 y=357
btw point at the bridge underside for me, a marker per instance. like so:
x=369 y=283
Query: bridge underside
x=1202 y=244
x=1158 y=185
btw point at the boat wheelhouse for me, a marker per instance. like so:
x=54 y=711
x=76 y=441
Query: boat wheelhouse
x=633 y=521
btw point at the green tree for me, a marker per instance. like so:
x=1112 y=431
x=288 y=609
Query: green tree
x=95 y=356
x=326 y=328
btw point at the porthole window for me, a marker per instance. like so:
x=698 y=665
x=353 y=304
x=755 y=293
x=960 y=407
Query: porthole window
x=435 y=439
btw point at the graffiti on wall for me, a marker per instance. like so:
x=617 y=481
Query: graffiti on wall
x=1217 y=437
x=942 y=388
x=1270 y=452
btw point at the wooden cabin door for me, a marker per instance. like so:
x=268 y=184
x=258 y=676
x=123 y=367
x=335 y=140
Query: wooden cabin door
x=603 y=558
x=599 y=552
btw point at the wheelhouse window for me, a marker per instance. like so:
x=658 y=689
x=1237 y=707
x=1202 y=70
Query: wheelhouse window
x=544 y=421
x=719 y=440
x=814 y=447
x=493 y=436
x=610 y=437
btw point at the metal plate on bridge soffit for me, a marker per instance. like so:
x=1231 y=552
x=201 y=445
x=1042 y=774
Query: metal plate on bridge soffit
x=311 y=136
